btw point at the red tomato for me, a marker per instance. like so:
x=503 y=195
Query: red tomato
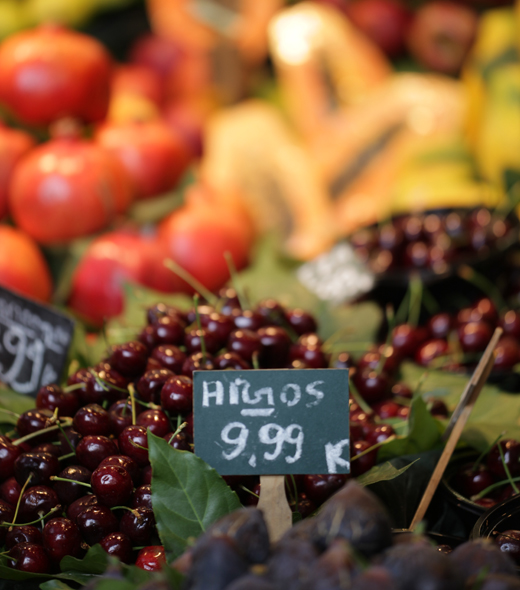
x=14 y=143
x=50 y=72
x=198 y=235
x=109 y=262
x=153 y=155
x=22 y=266
x=67 y=188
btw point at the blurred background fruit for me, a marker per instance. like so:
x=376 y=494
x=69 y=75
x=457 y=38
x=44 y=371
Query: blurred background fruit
x=23 y=267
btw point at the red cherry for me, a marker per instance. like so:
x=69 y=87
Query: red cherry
x=151 y=558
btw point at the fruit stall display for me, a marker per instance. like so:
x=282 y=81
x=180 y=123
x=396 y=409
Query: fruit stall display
x=168 y=210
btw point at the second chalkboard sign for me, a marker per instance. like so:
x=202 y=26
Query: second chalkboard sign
x=272 y=421
x=34 y=342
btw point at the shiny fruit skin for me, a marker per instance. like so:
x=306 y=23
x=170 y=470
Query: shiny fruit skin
x=153 y=156
x=22 y=265
x=50 y=72
x=14 y=143
x=197 y=236
x=67 y=188
x=110 y=261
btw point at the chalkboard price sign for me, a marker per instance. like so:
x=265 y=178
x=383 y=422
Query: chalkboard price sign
x=34 y=342
x=272 y=421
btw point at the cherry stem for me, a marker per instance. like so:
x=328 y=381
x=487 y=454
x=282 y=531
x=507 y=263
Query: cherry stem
x=356 y=396
x=32 y=435
x=486 y=451
x=191 y=280
x=73 y=387
x=390 y=319
x=494 y=486
x=243 y=487
x=67 y=456
x=484 y=284
x=430 y=303
x=414 y=309
x=373 y=447
x=20 y=497
x=179 y=428
x=294 y=492
x=254 y=360
x=81 y=483
x=132 y=510
x=134 y=444
x=105 y=385
x=506 y=469
x=199 y=326
x=41 y=519
x=67 y=439
x=132 y=401
x=244 y=304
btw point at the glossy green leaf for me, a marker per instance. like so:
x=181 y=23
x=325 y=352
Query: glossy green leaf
x=13 y=403
x=382 y=472
x=55 y=585
x=494 y=412
x=424 y=434
x=94 y=563
x=187 y=495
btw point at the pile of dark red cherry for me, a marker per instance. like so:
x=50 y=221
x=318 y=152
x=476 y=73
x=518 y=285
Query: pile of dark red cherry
x=76 y=472
x=432 y=241
x=492 y=479
x=456 y=341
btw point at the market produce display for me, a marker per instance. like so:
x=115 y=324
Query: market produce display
x=167 y=199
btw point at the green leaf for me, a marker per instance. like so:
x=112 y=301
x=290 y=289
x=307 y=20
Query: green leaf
x=94 y=563
x=13 y=402
x=494 y=412
x=55 y=585
x=424 y=434
x=382 y=472
x=401 y=495
x=187 y=495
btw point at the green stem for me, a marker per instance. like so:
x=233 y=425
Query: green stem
x=42 y=518
x=179 y=428
x=414 y=311
x=81 y=483
x=486 y=451
x=484 y=284
x=191 y=280
x=373 y=447
x=32 y=435
x=244 y=304
x=20 y=497
x=506 y=469
x=67 y=456
x=199 y=327
x=494 y=486
x=132 y=401
x=390 y=320
x=242 y=487
x=356 y=396
x=9 y=413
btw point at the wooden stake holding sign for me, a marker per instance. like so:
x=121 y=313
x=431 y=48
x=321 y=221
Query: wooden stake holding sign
x=272 y=423
x=457 y=423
